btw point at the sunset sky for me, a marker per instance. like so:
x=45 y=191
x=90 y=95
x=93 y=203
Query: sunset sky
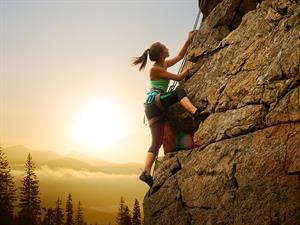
x=67 y=83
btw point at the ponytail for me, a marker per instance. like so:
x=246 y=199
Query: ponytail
x=141 y=60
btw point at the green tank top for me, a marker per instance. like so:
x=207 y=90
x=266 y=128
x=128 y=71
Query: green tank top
x=160 y=83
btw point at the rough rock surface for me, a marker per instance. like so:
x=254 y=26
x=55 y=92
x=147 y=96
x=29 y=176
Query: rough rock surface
x=246 y=66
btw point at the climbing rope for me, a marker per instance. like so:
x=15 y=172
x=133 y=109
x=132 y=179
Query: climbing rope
x=174 y=84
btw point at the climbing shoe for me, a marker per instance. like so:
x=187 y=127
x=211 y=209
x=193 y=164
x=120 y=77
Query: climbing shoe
x=148 y=179
x=200 y=116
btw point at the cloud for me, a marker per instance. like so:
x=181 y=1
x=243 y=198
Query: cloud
x=66 y=173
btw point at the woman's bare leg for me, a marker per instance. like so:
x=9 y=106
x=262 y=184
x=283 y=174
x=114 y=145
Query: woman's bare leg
x=186 y=103
x=150 y=158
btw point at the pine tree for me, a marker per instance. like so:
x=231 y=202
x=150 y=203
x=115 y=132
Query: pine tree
x=7 y=191
x=120 y=215
x=123 y=216
x=49 y=217
x=79 y=216
x=136 y=214
x=127 y=217
x=69 y=211
x=58 y=213
x=30 y=209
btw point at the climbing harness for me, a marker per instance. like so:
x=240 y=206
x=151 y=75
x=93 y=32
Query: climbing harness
x=153 y=101
x=174 y=84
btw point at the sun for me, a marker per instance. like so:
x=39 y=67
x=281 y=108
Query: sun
x=100 y=124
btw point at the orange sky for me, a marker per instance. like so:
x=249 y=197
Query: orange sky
x=61 y=58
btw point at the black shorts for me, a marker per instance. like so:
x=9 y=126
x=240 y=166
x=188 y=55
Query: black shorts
x=166 y=99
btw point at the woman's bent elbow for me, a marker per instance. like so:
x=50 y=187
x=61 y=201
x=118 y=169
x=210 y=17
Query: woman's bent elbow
x=180 y=77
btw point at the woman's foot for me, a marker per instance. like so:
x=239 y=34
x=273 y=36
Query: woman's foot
x=200 y=115
x=148 y=179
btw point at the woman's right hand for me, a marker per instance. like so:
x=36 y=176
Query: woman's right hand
x=192 y=35
x=184 y=73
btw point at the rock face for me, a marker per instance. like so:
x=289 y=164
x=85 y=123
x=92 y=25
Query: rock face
x=246 y=65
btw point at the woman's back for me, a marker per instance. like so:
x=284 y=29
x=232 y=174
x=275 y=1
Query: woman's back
x=159 y=83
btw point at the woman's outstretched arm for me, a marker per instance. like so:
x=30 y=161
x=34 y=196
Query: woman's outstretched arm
x=172 y=61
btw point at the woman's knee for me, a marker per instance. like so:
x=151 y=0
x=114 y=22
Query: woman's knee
x=154 y=149
x=181 y=94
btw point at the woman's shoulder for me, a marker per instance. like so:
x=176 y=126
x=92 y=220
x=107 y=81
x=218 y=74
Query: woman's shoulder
x=156 y=67
x=155 y=71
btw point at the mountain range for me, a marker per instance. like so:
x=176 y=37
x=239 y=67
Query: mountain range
x=17 y=155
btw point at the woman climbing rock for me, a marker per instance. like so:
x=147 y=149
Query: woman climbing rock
x=159 y=99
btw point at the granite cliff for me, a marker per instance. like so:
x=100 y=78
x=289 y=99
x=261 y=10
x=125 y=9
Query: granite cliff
x=245 y=63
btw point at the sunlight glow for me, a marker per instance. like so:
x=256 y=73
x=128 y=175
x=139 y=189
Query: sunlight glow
x=100 y=124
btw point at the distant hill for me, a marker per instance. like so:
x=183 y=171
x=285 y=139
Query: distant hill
x=94 y=216
x=128 y=168
x=108 y=167
x=85 y=158
x=66 y=162
x=17 y=155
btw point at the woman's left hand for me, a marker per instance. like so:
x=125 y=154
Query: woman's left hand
x=192 y=34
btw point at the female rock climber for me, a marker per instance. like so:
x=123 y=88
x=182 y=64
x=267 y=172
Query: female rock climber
x=159 y=99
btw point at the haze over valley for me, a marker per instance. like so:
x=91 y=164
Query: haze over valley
x=98 y=184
